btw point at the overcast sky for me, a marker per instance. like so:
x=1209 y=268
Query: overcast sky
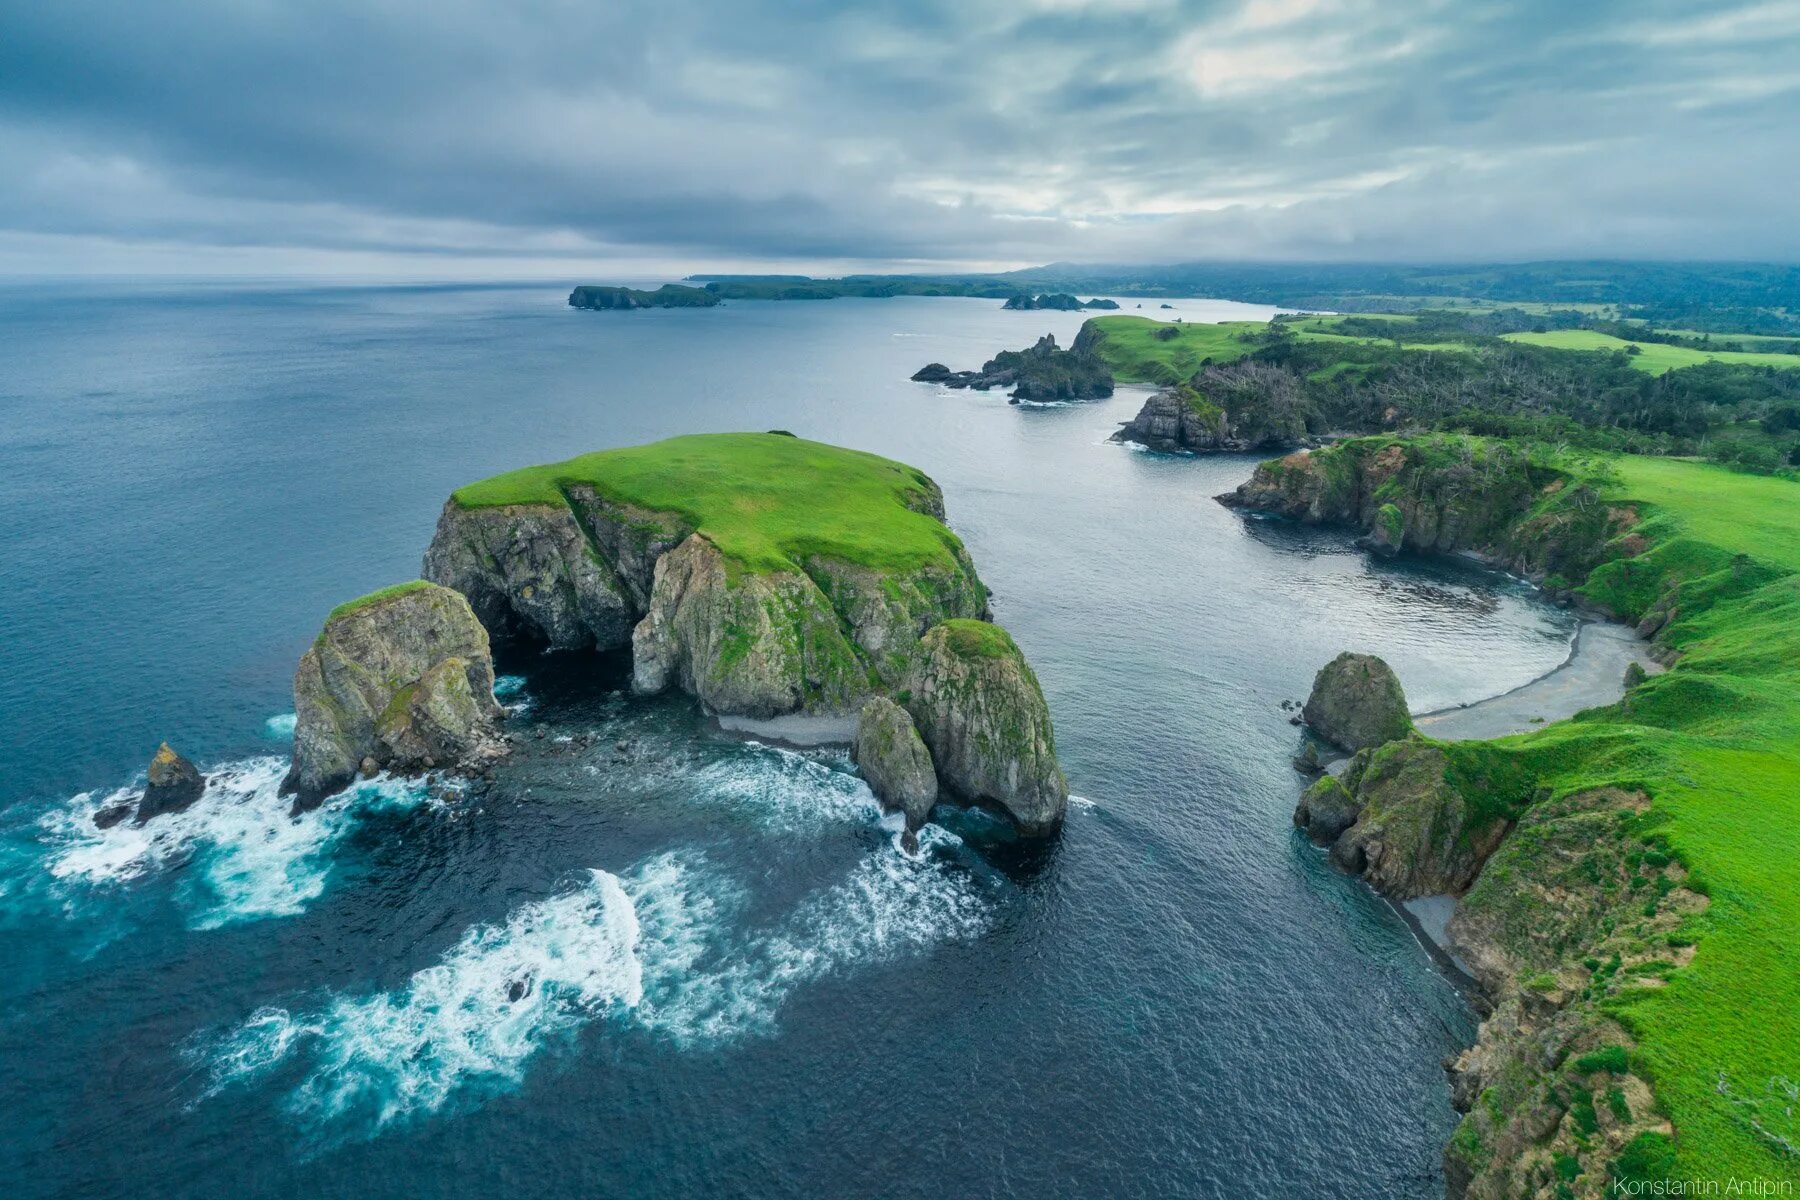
x=449 y=137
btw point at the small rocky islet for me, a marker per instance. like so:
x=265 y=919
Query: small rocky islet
x=1043 y=374
x=765 y=575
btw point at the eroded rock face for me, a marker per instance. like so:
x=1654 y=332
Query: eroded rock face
x=402 y=680
x=1396 y=820
x=1357 y=702
x=173 y=784
x=752 y=643
x=1446 y=494
x=1243 y=406
x=894 y=760
x=528 y=571
x=981 y=713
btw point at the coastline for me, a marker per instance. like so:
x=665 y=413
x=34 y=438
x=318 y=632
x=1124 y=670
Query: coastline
x=1593 y=675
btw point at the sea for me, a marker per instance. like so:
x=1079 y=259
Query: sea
x=656 y=958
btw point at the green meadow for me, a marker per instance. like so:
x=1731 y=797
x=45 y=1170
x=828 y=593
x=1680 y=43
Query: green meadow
x=767 y=500
x=1652 y=357
x=1715 y=744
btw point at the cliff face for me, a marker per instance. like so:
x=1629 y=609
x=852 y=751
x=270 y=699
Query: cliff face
x=1444 y=494
x=1396 y=819
x=401 y=679
x=981 y=713
x=1242 y=406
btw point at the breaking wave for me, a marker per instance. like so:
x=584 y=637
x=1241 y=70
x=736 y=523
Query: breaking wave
x=662 y=951
x=247 y=859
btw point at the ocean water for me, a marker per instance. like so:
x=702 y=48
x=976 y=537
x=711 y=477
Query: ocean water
x=654 y=959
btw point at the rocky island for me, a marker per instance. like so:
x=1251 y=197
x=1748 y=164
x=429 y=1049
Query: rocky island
x=1055 y=301
x=1045 y=373
x=764 y=574
x=669 y=295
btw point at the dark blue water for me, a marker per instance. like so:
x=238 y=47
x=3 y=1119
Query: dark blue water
x=737 y=986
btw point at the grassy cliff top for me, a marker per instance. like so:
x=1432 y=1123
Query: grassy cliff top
x=766 y=500
x=376 y=597
x=1715 y=743
x=1130 y=346
x=969 y=638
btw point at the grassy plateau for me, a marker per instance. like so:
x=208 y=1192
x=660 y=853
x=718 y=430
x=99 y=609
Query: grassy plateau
x=766 y=500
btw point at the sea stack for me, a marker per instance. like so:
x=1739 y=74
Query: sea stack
x=400 y=679
x=1357 y=702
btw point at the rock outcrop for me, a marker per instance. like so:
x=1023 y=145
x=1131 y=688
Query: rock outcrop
x=980 y=711
x=894 y=760
x=768 y=576
x=1042 y=374
x=401 y=679
x=1447 y=493
x=172 y=785
x=805 y=629
x=1241 y=406
x=1357 y=702
x=1395 y=818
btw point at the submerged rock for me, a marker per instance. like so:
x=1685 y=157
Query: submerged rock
x=401 y=679
x=1357 y=702
x=981 y=713
x=174 y=784
x=894 y=760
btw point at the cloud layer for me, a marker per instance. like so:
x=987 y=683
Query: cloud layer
x=548 y=132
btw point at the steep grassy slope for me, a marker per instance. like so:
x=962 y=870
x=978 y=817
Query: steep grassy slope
x=1715 y=743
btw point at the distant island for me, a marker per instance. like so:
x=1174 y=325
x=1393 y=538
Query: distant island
x=669 y=295
x=1057 y=301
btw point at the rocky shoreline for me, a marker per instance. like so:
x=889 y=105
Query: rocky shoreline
x=1543 y=895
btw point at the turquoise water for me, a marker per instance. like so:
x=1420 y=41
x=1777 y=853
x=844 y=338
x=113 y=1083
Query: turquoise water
x=734 y=983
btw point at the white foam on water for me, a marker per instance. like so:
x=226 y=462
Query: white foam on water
x=788 y=791
x=464 y=1027
x=699 y=992
x=249 y=859
x=662 y=948
x=281 y=728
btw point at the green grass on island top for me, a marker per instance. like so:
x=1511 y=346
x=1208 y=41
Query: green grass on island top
x=376 y=597
x=1652 y=357
x=767 y=501
x=979 y=639
x=1715 y=743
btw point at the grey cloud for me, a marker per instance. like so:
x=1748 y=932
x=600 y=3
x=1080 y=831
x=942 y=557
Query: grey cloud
x=938 y=132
